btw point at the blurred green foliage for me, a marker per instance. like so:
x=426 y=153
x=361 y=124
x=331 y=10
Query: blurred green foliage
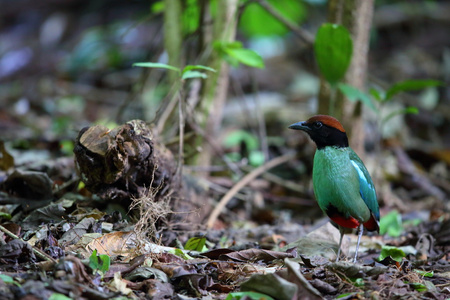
x=99 y=263
x=196 y=244
x=395 y=253
x=333 y=49
x=391 y=224
x=234 y=54
x=256 y=21
x=248 y=295
x=190 y=71
x=239 y=138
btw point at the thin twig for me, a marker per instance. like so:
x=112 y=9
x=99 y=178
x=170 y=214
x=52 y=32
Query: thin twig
x=165 y=114
x=36 y=251
x=231 y=165
x=261 y=120
x=220 y=189
x=280 y=181
x=243 y=182
x=181 y=144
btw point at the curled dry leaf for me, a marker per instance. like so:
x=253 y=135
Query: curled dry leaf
x=272 y=285
x=142 y=273
x=116 y=243
x=304 y=289
x=256 y=255
x=322 y=241
x=74 y=234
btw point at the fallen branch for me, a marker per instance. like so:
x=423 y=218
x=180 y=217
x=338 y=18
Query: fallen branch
x=243 y=182
x=36 y=251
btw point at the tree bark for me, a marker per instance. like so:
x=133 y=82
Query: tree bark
x=215 y=88
x=356 y=16
x=173 y=39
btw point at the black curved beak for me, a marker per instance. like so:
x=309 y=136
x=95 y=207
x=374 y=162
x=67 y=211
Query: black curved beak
x=299 y=126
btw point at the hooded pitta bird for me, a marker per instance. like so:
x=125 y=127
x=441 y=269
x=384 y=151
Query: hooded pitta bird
x=343 y=187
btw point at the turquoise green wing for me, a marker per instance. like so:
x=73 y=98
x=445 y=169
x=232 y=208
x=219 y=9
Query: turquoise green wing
x=366 y=186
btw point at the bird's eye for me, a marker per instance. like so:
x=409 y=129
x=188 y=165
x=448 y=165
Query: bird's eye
x=318 y=125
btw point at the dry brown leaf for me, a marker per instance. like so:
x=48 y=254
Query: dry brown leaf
x=114 y=243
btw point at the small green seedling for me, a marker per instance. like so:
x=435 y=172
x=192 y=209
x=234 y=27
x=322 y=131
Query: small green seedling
x=99 y=263
x=393 y=252
x=190 y=71
x=180 y=253
x=58 y=296
x=248 y=295
x=196 y=244
x=424 y=273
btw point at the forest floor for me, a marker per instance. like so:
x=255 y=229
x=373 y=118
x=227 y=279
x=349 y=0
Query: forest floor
x=74 y=227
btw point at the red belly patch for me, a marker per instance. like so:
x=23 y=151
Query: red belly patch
x=347 y=223
x=372 y=224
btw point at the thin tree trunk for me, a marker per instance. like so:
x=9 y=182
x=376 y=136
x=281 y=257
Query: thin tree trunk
x=216 y=85
x=356 y=16
x=173 y=39
x=358 y=19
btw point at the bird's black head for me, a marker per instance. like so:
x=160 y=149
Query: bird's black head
x=324 y=131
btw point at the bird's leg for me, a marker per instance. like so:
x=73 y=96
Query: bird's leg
x=360 y=232
x=341 y=230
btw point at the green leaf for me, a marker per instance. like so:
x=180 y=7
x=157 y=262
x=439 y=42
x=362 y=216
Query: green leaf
x=246 y=56
x=191 y=16
x=353 y=94
x=248 y=295
x=180 y=253
x=410 y=85
x=344 y=295
x=93 y=261
x=359 y=282
x=58 y=296
x=81 y=185
x=105 y=263
x=8 y=279
x=156 y=66
x=66 y=147
x=420 y=287
x=408 y=110
x=237 y=137
x=411 y=222
x=197 y=67
x=220 y=47
x=193 y=74
x=100 y=262
x=424 y=273
x=391 y=224
x=256 y=158
x=377 y=95
x=5 y=216
x=394 y=252
x=196 y=244
x=256 y=21
x=333 y=49
x=157 y=7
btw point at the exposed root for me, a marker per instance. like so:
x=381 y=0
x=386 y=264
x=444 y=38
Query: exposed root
x=151 y=212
